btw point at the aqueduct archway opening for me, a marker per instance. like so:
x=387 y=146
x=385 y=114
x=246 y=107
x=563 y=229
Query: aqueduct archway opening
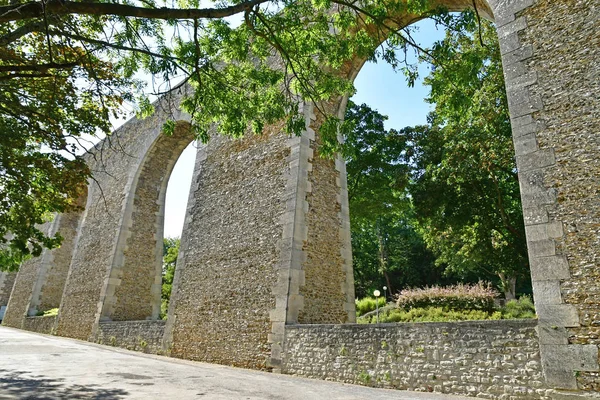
x=133 y=289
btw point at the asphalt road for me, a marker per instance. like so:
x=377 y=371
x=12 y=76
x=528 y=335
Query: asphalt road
x=34 y=366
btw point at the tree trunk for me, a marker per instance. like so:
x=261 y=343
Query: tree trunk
x=509 y=286
x=389 y=285
x=383 y=258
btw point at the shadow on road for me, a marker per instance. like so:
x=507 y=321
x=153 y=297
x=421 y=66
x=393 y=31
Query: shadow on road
x=22 y=385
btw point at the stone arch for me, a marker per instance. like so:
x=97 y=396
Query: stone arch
x=351 y=68
x=320 y=300
x=544 y=126
x=133 y=288
x=116 y=163
x=40 y=282
x=54 y=265
x=7 y=280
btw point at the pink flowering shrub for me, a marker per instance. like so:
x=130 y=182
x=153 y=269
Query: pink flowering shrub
x=458 y=297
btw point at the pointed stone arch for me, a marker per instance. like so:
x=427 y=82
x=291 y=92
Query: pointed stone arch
x=556 y=213
x=126 y=189
x=133 y=288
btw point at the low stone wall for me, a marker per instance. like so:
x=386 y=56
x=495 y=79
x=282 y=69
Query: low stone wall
x=144 y=336
x=40 y=324
x=487 y=359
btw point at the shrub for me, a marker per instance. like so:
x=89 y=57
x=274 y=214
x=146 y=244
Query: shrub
x=48 y=313
x=368 y=304
x=433 y=314
x=519 y=309
x=164 y=309
x=459 y=297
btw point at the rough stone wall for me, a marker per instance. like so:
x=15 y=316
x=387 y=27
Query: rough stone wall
x=138 y=280
x=568 y=84
x=299 y=230
x=51 y=292
x=324 y=269
x=18 y=304
x=144 y=336
x=40 y=282
x=551 y=57
x=7 y=281
x=115 y=164
x=230 y=252
x=54 y=264
x=40 y=324
x=488 y=359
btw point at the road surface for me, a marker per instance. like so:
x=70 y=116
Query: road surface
x=34 y=366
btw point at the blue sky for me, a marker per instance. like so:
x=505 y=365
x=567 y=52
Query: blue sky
x=376 y=85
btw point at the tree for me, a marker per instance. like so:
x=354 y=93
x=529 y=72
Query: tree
x=170 y=254
x=66 y=66
x=465 y=186
x=387 y=250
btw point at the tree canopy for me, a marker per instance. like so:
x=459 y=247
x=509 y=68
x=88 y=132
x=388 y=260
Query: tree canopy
x=466 y=158
x=170 y=254
x=387 y=250
x=66 y=67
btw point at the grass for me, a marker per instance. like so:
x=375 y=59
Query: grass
x=48 y=313
x=368 y=304
x=514 y=309
x=519 y=309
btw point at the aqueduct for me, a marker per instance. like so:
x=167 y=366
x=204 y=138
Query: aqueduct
x=264 y=276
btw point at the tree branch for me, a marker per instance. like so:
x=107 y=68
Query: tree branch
x=20 y=75
x=35 y=9
x=38 y=67
x=21 y=31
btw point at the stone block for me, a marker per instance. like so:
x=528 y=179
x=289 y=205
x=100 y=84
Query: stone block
x=532 y=104
x=277 y=315
x=536 y=160
x=572 y=357
x=278 y=329
x=560 y=315
x=297 y=277
x=512 y=27
x=533 y=196
x=549 y=268
x=525 y=144
x=564 y=395
x=560 y=378
x=509 y=43
x=511 y=7
x=525 y=130
x=547 y=292
x=535 y=216
x=550 y=230
x=541 y=248
x=518 y=82
x=517 y=122
x=521 y=54
x=519 y=95
x=503 y=19
x=555 y=335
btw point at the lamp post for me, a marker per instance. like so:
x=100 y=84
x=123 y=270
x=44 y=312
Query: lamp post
x=376 y=293
x=385 y=293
